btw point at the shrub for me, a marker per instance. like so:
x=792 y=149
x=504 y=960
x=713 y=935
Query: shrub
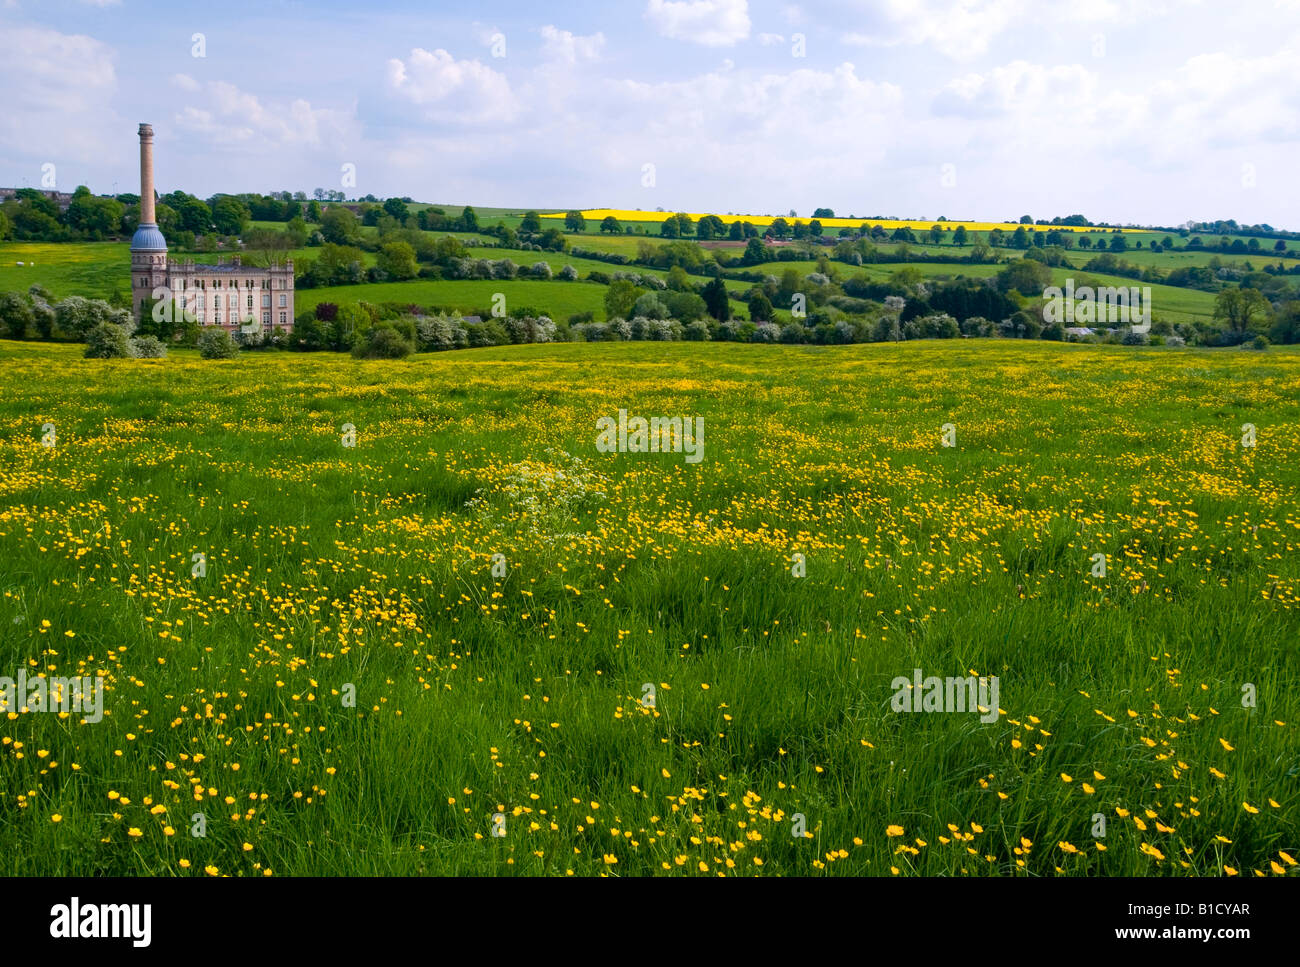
x=568 y=273
x=665 y=330
x=650 y=306
x=148 y=347
x=697 y=331
x=108 y=341
x=619 y=329
x=541 y=270
x=441 y=332
x=1259 y=342
x=886 y=329
x=1175 y=342
x=939 y=326
x=77 y=316
x=16 y=315
x=382 y=342
x=215 y=343
x=489 y=333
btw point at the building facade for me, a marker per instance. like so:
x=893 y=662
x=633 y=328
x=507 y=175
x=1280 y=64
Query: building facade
x=237 y=297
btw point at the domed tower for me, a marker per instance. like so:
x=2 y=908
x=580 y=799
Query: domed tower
x=148 y=247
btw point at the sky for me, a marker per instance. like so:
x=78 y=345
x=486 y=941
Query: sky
x=1148 y=112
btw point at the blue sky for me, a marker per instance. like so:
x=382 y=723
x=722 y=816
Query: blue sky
x=1133 y=111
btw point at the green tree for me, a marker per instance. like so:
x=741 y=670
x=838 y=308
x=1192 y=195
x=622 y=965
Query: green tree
x=959 y=235
x=230 y=215
x=716 y=301
x=468 y=220
x=620 y=297
x=670 y=228
x=397 y=259
x=574 y=221
x=755 y=251
x=95 y=218
x=339 y=226
x=610 y=224
x=936 y=234
x=397 y=208
x=760 y=307
x=1027 y=276
x=531 y=223
x=1239 y=308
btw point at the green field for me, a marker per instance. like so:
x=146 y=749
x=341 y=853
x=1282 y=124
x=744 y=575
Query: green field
x=98 y=269
x=561 y=299
x=92 y=269
x=1169 y=302
x=352 y=682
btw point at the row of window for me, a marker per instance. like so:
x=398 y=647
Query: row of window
x=233 y=319
x=198 y=302
x=233 y=284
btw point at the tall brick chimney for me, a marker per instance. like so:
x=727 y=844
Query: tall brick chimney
x=147 y=211
x=148 y=247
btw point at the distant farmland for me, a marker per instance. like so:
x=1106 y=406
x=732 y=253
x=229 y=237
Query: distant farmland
x=636 y=215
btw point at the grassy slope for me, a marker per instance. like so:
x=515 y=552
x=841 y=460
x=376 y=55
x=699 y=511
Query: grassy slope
x=331 y=567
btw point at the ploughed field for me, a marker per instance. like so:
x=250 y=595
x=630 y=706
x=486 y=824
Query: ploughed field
x=476 y=643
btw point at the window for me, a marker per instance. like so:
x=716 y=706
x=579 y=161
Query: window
x=282 y=320
x=216 y=300
x=250 y=300
x=266 y=301
x=266 y=318
x=284 y=301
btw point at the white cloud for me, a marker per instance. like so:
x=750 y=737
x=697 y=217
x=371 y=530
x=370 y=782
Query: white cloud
x=59 y=94
x=957 y=28
x=568 y=48
x=185 y=82
x=451 y=90
x=1019 y=87
x=713 y=23
x=228 y=114
x=770 y=40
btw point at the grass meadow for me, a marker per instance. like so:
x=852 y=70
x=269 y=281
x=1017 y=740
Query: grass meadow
x=396 y=651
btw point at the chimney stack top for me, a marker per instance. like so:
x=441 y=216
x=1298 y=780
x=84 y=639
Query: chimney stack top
x=146 y=130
